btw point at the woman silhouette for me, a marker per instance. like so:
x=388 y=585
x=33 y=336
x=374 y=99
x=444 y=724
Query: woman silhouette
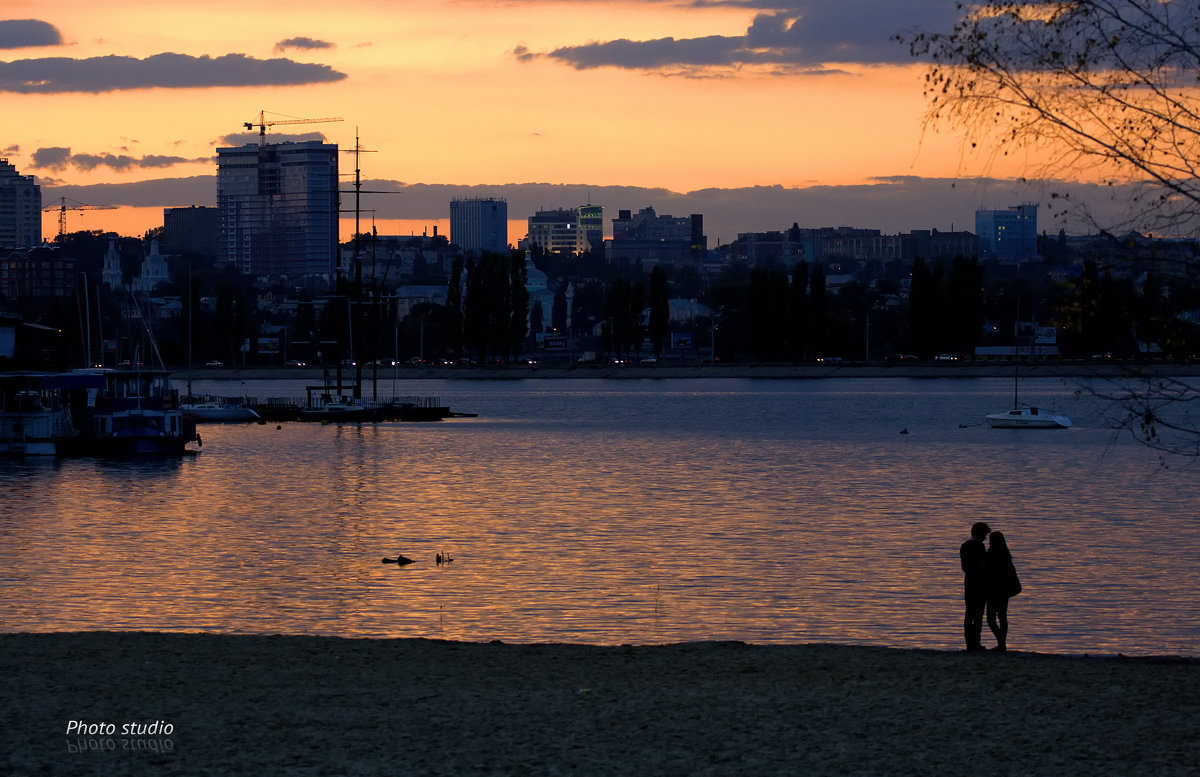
x=1002 y=585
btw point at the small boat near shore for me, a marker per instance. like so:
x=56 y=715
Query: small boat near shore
x=218 y=412
x=1028 y=418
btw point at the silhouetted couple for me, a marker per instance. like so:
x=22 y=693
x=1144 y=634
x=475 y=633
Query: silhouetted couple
x=990 y=581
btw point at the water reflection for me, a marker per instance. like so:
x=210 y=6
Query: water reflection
x=619 y=512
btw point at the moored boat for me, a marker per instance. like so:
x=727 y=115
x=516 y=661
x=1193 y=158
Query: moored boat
x=128 y=411
x=33 y=419
x=1028 y=418
x=339 y=408
x=215 y=411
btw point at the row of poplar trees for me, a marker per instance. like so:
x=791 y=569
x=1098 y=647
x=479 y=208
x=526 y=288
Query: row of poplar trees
x=487 y=306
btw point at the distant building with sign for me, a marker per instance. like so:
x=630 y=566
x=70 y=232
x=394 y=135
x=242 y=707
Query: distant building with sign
x=567 y=230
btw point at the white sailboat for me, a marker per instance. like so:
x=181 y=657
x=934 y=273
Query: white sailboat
x=1026 y=417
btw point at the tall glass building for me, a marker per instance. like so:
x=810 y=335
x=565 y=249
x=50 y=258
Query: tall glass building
x=278 y=208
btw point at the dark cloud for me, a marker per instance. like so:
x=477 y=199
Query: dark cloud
x=302 y=43
x=168 y=71
x=242 y=138
x=805 y=36
x=52 y=158
x=158 y=193
x=57 y=158
x=24 y=33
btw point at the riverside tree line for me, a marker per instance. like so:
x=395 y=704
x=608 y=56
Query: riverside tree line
x=773 y=313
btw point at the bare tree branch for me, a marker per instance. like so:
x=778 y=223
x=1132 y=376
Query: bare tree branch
x=1108 y=87
x=1160 y=412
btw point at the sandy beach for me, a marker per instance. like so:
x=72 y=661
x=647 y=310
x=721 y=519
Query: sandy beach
x=147 y=703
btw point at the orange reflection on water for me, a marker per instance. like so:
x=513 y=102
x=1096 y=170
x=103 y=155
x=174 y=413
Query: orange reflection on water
x=643 y=530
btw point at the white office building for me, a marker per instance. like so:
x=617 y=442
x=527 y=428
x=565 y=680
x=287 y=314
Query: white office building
x=479 y=224
x=570 y=231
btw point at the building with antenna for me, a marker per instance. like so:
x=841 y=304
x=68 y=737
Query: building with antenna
x=278 y=209
x=569 y=231
x=20 y=209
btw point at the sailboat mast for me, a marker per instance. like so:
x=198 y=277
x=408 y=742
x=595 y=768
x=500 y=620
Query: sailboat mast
x=87 y=322
x=190 y=305
x=357 y=261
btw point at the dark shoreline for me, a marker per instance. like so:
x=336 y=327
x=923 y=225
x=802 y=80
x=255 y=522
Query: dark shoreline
x=1070 y=370
x=326 y=705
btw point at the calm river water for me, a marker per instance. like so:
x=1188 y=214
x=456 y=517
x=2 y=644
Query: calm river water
x=645 y=511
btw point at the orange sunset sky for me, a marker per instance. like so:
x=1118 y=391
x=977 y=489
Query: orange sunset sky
x=597 y=93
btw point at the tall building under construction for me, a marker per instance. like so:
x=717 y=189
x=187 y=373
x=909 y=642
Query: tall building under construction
x=278 y=206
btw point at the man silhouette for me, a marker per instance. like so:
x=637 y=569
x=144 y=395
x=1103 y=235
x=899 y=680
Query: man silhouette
x=973 y=555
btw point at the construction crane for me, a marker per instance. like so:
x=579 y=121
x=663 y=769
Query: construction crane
x=62 y=207
x=263 y=124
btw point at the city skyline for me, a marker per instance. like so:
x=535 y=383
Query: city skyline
x=771 y=110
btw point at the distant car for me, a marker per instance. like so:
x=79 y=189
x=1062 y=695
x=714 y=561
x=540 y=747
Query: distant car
x=214 y=363
x=295 y=363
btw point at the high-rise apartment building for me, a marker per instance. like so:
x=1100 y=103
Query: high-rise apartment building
x=278 y=208
x=479 y=224
x=20 y=209
x=1007 y=235
x=563 y=230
